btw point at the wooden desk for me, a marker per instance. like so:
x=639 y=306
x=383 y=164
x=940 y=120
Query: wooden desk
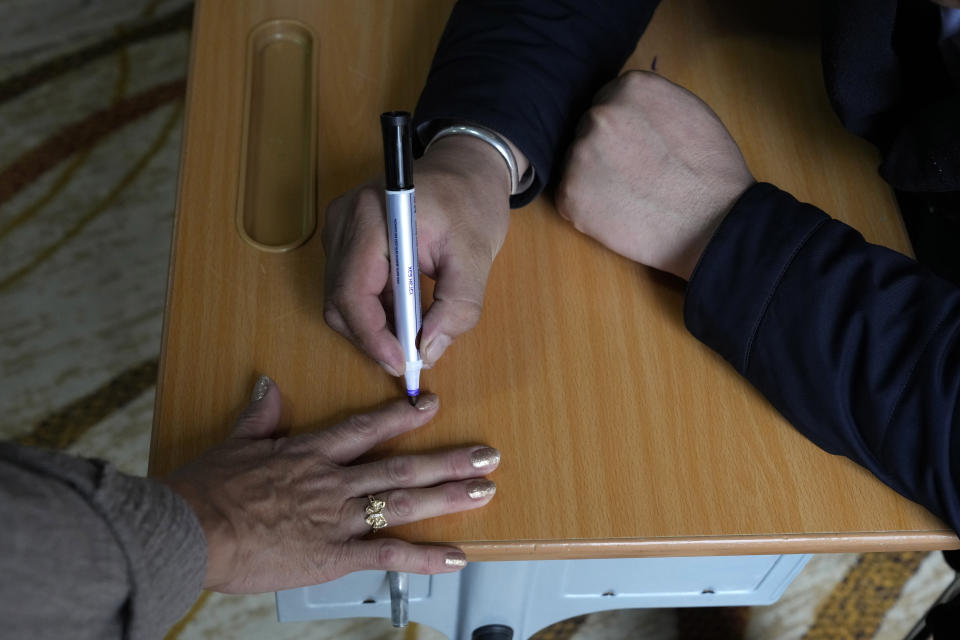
x=621 y=434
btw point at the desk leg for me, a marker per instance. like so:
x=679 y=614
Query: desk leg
x=399 y=598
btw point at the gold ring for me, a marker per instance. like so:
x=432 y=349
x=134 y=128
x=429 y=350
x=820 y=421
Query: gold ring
x=374 y=511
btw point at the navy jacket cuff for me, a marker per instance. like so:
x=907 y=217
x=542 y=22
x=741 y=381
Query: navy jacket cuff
x=753 y=244
x=536 y=151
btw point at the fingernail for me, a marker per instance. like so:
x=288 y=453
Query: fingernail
x=484 y=457
x=427 y=402
x=260 y=388
x=436 y=348
x=457 y=560
x=388 y=368
x=481 y=489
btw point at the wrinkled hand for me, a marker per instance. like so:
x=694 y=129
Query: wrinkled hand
x=652 y=173
x=462 y=218
x=284 y=512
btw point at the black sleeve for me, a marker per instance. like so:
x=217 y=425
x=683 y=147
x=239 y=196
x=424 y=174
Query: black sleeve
x=853 y=343
x=528 y=70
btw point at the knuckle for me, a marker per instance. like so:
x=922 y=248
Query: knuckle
x=600 y=118
x=389 y=554
x=351 y=485
x=401 y=471
x=362 y=426
x=332 y=481
x=402 y=504
x=348 y=510
x=305 y=445
x=467 y=315
x=453 y=496
x=368 y=197
x=635 y=82
x=426 y=564
x=472 y=241
x=456 y=466
x=331 y=315
x=633 y=77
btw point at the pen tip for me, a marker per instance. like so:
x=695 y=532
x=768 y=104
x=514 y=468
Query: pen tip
x=413 y=400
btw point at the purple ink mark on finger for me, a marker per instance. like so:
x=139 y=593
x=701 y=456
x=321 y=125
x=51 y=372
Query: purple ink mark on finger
x=653 y=64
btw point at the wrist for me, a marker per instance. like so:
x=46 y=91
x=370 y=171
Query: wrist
x=217 y=531
x=728 y=198
x=472 y=160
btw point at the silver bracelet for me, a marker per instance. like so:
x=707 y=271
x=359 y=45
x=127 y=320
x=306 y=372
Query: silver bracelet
x=518 y=183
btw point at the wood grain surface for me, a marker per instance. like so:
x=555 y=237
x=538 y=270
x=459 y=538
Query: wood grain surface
x=621 y=434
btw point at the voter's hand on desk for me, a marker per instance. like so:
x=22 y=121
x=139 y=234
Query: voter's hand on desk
x=651 y=173
x=462 y=190
x=281 y=512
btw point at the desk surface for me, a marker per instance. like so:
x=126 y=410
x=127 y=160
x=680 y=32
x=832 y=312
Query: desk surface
x=621 y=434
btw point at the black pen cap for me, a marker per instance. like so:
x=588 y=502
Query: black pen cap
x=397 y=149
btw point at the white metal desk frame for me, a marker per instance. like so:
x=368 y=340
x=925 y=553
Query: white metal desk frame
x=528 y=596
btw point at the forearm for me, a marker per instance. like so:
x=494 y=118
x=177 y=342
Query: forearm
x=853 y=343
x=91 y=552
x=527 y=70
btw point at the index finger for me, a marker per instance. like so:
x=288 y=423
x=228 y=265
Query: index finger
x=344 y=442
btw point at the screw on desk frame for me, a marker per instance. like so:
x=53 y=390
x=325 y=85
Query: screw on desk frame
x=399 y=598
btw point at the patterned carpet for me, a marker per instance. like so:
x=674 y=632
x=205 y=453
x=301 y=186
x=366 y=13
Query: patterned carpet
x=91 y=100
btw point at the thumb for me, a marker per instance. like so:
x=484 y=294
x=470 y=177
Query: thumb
x=457 y=302
x=260 y=418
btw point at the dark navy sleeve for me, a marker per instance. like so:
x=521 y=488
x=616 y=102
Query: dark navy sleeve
x=528 y=70
x=855 y=344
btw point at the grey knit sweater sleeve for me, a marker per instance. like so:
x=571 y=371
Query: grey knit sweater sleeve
x=89 y=552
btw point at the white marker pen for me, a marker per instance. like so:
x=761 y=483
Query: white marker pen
x=402 y=235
